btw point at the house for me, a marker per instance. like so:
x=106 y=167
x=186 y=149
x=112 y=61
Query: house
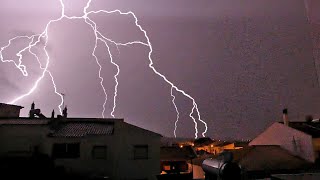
x=264 y=160
x=236 y=145
x=299 y=138
x=176 y=162
x=285 y=147
x=207 y=145
x=176 y=141
x=8 y=110
x=86 y=146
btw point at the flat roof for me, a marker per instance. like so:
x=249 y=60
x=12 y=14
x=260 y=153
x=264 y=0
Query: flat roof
x=4 y=104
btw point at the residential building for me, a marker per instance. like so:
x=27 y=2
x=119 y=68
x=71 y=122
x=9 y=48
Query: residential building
x=263 y=160
x=8 y=110
x=299 y=138
x=215 y=147
x=88 y=146
x=177 y=160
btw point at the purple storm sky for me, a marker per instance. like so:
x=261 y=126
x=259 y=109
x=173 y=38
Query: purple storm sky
x=242 y=61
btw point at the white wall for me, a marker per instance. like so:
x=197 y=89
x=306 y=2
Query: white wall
x=279 y=134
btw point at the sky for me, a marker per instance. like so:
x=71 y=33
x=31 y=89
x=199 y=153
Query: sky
x=242 y=62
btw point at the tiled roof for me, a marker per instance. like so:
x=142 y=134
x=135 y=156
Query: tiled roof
x=81 y=129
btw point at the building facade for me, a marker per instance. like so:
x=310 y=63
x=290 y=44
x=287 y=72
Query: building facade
x=88 y=146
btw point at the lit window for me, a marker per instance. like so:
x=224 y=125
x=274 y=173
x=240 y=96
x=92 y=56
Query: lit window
x=99 y=152
x=140 y=152
x=166 y=168
x=66 y=151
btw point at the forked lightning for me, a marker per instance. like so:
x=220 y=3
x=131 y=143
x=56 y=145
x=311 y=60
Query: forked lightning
x=34 y=40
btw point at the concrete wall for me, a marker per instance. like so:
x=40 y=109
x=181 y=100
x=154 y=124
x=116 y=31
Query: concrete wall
x=119 y=163
x=86 y=164
x=138 y=168
x=22 y=138
x=279 y=134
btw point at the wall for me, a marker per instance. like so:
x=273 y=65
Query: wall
x=142 y=168
x=86 y=164
x=21 y=138
x=119 y=163
x=279 y=134
x=9 y=110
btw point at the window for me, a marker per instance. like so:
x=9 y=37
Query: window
x=66 y=151
x=140 y=152
x=166 y=168
x=99 y=152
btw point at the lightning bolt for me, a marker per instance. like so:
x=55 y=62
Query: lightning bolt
x=106 y=41
x=22 y=68
x=178 y=114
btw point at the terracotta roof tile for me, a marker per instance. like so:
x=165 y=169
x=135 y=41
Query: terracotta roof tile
x=81 y=129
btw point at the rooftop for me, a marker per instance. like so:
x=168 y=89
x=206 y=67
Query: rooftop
x=11 y=105
x=82 y=129
x=74 y=127
x=25 y=121
x=62 y=126
x=268 y=158
x=311 y=128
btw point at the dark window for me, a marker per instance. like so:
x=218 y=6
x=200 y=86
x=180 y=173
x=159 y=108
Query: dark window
x=66 y=151
x=140 y=152
x=99 y=152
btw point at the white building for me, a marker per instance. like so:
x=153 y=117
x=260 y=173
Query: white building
x=105 y=147
x=299 y=138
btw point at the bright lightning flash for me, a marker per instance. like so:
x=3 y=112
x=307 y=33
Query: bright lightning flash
x=35 y=40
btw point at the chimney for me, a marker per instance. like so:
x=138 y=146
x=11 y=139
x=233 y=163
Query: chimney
x=309 y=118
x=52 y=114
x=65 y=112
x=285 y=117
x=31 y=113
x=32 y=106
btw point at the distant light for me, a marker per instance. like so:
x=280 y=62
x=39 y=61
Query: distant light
x=211 y=145
x=181 y=146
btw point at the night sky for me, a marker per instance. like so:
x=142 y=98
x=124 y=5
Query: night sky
x=242 y=61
